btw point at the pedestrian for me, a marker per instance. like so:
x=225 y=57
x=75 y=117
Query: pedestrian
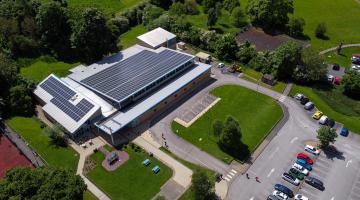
x=257 y=179
x=247 y=176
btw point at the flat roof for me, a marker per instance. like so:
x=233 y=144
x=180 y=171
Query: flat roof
x=135 y=73
x=121 y=119
x=156 y=37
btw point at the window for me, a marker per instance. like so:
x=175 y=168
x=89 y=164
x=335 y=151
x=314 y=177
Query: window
x=175 y=95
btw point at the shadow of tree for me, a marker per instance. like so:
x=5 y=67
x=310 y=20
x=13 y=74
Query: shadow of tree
x=332 y=152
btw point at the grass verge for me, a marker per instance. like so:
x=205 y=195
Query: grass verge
x=256 y=113
x=129 y=38
x=132 y=180
x=344 y=58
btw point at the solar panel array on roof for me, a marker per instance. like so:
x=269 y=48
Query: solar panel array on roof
x=135 y=73
x=61 y=96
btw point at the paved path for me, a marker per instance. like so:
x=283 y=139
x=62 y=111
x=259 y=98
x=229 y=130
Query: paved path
x=334 y=48
x=181 y=179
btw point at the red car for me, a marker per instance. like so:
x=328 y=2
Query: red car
x=306 y=158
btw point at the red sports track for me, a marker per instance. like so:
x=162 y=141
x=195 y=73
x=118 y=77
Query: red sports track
x=10 y=156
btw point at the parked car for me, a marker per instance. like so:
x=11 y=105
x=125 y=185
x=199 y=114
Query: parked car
x=337 y=80
x=304 y=100
x=300 y=169
x=300 y=197
x=330 y=78
x=291 y=179
x=305 y=157
x=295 y=173
x=272 y=197
x=221 y=65
x=309 y=105
x=330 y=123
x=317 y=115
x=284 y=189
x=344 y=132
x=336 y=67
x=323 y=119
x=355 y=58
x=304 y=164
x=299 y=96
x=315 y=183
x=312 y=150
x=280 y=195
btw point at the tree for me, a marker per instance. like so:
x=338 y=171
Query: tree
x=238 y=17
x=162 y=3
x=245 y=53
x=229 y=5
x=230 y=136
x=91 y=36
x=296 y=26
x=208 y=4
x=118 y=25
x=270 y=14
x=56 y=134
x=286 y=58
x=351 y=82
x=191 y=7
x=262 y=62
x=54 y=27
x=151 y=13
x=20 y=101
x=203 y=188
x=42 y=183
x=212 y=17
x=208 y=39
x=326 y=135
x=178 y=9
x=8 y=73
x=217 y=126
x=311 y=69
x=320 y=30
x=163 y=21
x=226 y=47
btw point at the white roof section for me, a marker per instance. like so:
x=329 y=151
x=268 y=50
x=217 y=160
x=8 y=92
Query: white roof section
x=156 y=37
x=106 y=108
x=60 y=116
x=121 y=119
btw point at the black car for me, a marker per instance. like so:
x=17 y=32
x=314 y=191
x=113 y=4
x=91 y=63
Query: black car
x=272 y=197
x=330 y=123
x=304 y=100
x=315 y=183
x=336 y=67
x=284 y=189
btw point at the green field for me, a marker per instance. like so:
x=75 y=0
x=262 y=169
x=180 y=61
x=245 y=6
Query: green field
x=256 y=113
x=334 y=105
x=254 y=76
x=109 y=7
x=132 y=180
x=340 y=16
x=129 y=38
x=29 y=129
x=344 y=58
x=89 y=196
x=41 y=67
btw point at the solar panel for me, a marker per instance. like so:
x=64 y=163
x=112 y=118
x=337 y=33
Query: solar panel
x=135 y=73
x=61 y=95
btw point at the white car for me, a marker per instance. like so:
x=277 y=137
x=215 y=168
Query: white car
x=221 y=65
x=300 y=197
x=280 y=195
x=300 y=169
x=330 y=78
x=312 y=150
x=323 y=119
x=355 y=67
x=298 y=96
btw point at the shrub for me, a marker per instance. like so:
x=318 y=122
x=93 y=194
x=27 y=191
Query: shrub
x=296 y=26
x=320 y=30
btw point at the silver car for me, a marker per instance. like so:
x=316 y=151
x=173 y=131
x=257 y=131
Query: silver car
x=287 y=177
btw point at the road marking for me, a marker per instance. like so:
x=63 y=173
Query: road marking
x=282 y=98
x=228 y=180
x=234 y=171
x=229 y=176
x=271 y=171
x=293 y=140
x=332 y=198
x=348 y=162
x=273 y=153
x=252 y=198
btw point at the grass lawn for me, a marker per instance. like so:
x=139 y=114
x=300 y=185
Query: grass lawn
x=223 y=24
x=343 y=59
x=189 y=194
x=253 y=76
x=256 y=113
x=88 y=196
x=41 y=67
x=29 y=129
x=132 y=180
x=129 y=38
x=109 y=7
x=334 y=104
x=340 y=17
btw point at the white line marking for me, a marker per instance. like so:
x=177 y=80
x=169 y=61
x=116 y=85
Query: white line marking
x=233 y=174
x=271 y=171
x=228 y=180
x=348 y=162
x=332 y=198
x=229 y=176
x=252 y=198
x=293 y=140
x=273 y=153
x=234 y=171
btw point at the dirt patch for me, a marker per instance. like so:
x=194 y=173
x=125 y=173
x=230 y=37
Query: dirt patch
x=122 y=158
x=89 y=165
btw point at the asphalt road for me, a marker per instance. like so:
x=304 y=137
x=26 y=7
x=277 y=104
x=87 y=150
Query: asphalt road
x=338 y=169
